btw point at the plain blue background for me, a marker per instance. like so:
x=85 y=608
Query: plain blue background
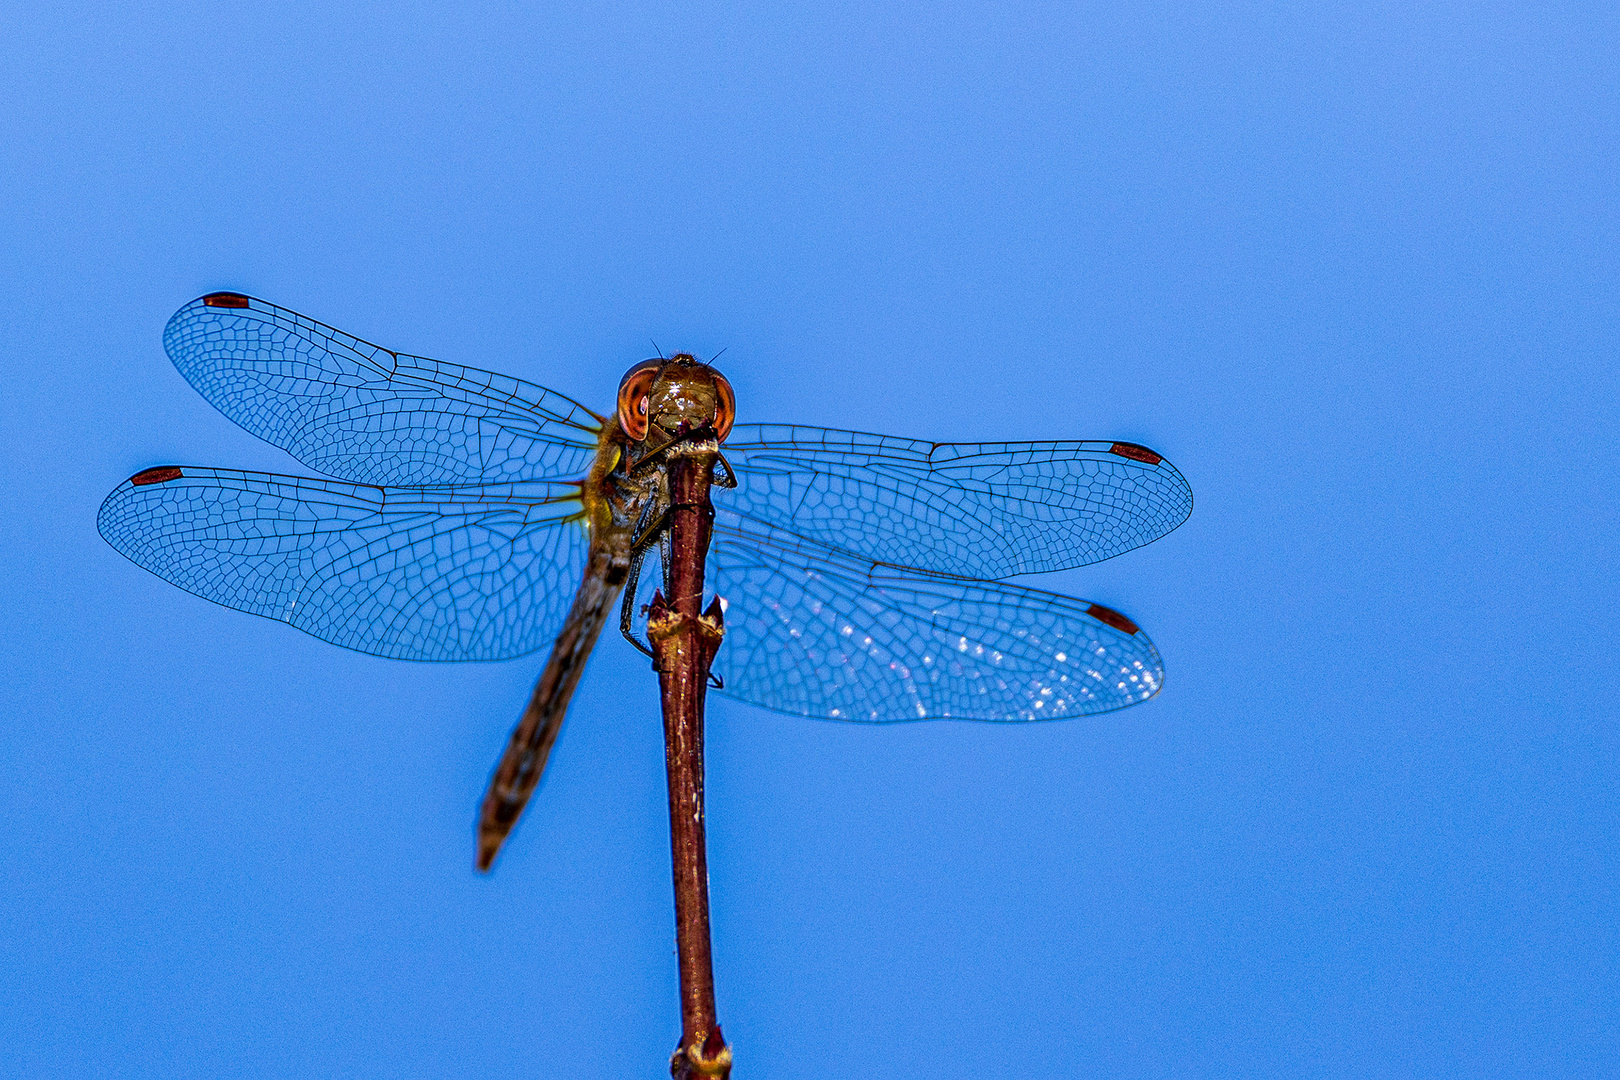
x=1352 y=268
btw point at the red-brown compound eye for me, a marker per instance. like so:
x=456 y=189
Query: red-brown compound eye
x=725 y=406
x=633 y=391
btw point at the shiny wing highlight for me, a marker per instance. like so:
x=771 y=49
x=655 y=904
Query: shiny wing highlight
x=816 y=633
x=364 y=413
x=981 y=510
x=422 y=574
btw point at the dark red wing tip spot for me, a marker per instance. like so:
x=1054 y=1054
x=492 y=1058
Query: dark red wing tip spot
x=160 y=475
x=1135 y=453
x=1111 y=618
x=225 y=299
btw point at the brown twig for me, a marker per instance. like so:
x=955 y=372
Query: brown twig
x=684 y=639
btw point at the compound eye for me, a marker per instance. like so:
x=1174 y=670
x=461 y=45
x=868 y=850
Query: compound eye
x=633 y=391
x=725 y=407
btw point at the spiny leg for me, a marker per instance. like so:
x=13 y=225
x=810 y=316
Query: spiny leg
x=643 y=538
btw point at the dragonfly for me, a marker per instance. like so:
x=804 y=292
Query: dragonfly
x=464 y=515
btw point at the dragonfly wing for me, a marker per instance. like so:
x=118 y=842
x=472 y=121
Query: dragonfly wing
x=363 y=413
x=816 y=633
x=982 y=510
x=417 y=574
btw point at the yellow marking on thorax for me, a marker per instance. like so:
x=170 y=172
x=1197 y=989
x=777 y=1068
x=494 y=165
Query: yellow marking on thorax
x=610 y=449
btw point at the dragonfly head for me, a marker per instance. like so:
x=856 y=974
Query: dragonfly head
x=680 y=395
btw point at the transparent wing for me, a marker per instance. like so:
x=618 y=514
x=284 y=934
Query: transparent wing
x=362 y=413
x=981 y=510
x=816 y=633
x=425 y=574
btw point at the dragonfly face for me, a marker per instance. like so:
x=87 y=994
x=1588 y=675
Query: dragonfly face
x=679 y=395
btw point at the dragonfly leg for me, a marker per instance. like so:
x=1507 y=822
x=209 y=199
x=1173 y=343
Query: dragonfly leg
x=643 y=539
x=642 y=536
x=627 y=608
x=649 y=458
x=730 y=480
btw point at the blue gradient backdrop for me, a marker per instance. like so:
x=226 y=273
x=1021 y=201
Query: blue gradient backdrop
x=1352 y=268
